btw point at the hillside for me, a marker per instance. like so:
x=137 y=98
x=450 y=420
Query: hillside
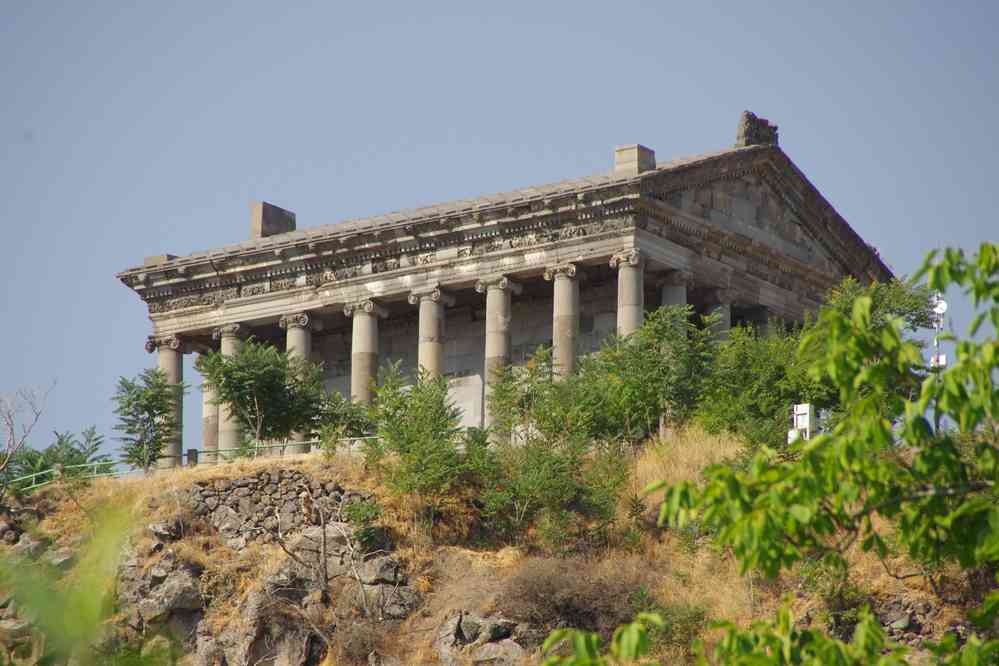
x=223 y=563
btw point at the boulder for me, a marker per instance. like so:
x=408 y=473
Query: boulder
x=179 y=591
x=467 y=638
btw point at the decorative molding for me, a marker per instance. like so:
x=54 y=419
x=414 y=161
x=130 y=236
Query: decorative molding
x=235 y=330
x=564 y=270
x=502 y=283
x=435 y=294
x=294 y=320
x=632 y=257
x=173 y=342
x=367 y=306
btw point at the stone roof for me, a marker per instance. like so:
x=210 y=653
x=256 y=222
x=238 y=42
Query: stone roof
x=457 y=207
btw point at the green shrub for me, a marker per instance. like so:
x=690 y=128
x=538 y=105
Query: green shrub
x=270 y=392
x=418 y=445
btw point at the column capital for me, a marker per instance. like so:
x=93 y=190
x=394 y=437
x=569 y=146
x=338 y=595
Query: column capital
x=722 y=296
x=502 y=282
x=297 y=320
x=433 y=294
x=675 y=278
x=567 y=270
x=174 y=342
x=367 y=306
x=235 y=330
x=632 y=257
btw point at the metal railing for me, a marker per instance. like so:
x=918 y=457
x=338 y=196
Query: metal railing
x=117 y=468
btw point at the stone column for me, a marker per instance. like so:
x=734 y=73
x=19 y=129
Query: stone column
x=430 y=351
x=171 y=363
x=209 y=424
x=723 y=308
x=565 y=317
x=298 y=345
x=673 y=288
x=364 y=347
x=497 y=291
x=230 y=431
x=630 y=291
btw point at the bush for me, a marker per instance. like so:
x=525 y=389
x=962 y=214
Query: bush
x=753 y=383
x=418 y=437
x=553 y=593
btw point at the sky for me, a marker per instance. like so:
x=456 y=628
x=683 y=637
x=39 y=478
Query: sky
x=128 y=131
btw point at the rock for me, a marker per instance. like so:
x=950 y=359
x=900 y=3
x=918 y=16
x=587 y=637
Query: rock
x=899 y=621
x=29 y=546
x=379 y=570
x=157 y=649
x=467 y=638
x=178 y=591
x=61 y=558
x=14 y=631
x=10 y=537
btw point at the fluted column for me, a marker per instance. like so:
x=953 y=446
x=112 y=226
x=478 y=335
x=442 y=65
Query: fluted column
x=630 y=291
x=171 y=364
x=430 y=350
x=364 y=347
x=497 y=291
x=565 y=318
x=230 y=431
x=299 y=345
x=209 y=424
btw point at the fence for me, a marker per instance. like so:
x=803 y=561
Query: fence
x=115 y=468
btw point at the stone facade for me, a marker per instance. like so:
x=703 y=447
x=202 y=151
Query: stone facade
x=466 y=287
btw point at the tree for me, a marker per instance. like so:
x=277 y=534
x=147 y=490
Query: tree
x=19 y=414
x=146 y=411
x=917 y=473
x=69 y=452
x=270 y=392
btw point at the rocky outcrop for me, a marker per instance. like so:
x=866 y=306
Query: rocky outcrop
x=258 y=507
x=322 y=579
x=467 y=638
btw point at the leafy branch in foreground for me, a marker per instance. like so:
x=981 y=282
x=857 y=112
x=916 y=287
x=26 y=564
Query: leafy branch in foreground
x=870 y=476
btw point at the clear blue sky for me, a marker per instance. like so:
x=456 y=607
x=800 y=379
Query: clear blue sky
x=133 y=131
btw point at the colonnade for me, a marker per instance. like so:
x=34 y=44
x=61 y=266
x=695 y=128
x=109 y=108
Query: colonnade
x=222 y=431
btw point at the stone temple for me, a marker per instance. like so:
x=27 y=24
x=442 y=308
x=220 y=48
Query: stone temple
x=462 y=288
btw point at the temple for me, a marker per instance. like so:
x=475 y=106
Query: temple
x=466 y=287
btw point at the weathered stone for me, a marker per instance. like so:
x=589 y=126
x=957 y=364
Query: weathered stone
x=13 y=631
x=379 y=570
x=164 y=531
x=466 y=638
x=178 y=591
x=61 y=558
x=29 y=546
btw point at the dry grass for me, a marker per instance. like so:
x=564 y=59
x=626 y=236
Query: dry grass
x=682 y=456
